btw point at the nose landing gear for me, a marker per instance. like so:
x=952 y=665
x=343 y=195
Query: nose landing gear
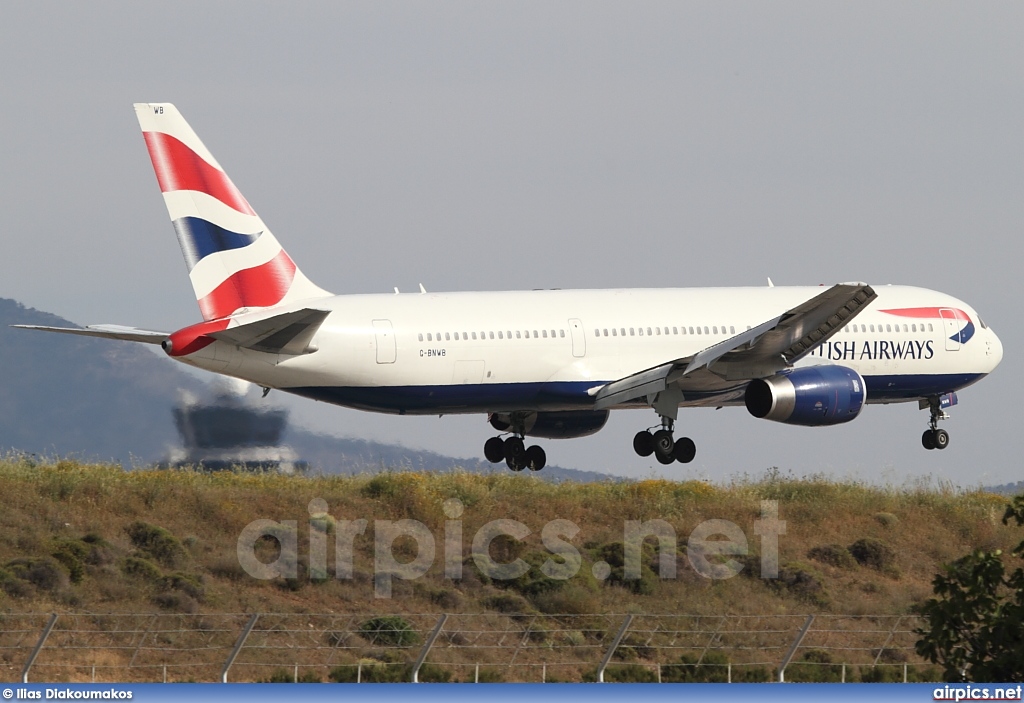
x=933 y=437
x=662 y=445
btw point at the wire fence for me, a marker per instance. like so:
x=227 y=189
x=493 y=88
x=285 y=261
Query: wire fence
x=465 y=647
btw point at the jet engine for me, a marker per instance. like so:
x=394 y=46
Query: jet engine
x=810 y=396
x=562 y=424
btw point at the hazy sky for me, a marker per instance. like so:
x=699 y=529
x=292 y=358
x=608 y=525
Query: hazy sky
x=519 y=145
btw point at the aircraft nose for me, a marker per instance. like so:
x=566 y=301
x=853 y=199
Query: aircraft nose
x=994 y=350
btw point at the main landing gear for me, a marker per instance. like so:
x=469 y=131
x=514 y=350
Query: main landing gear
x=933 y=437
x=661 y=444
x=514 y=452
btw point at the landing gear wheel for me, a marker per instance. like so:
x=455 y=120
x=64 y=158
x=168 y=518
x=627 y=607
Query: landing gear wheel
x=928 y=439
x=685 y=450
x=643 y=443
x=494 y=450
x=664 y=444
x=515 y=453
x=535 y=458
x=663 y=459
x=941 y=439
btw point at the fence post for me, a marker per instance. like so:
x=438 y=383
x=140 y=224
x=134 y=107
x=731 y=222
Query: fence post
x=728 y=673
x=904 y=673
x=238 y=647
x=426 y=647
x=611 y=650
x=39 y=646
x=793 y=648
x=476 y=676
x=359 y=672
x=843 y=679
x=888 y=639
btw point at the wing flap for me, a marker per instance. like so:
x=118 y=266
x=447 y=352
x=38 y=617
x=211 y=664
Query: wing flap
x=127 y=334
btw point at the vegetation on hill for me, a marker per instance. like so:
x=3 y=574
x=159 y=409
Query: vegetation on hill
x=94 y=537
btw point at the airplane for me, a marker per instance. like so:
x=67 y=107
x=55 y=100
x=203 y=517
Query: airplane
x=545 y=363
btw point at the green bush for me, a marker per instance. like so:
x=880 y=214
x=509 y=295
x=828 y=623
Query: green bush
x=713 y=668
x=815 y=667
x=141 y=568
x=285 y=676
x=44 y=573
x=508 y=603
x=834 y=555
x=873 y=553
x=158 y=543
x=72 y=554
x=614 y=555
x=802 y=582
x=630 y=673
x=388 y=631
x=372 y=672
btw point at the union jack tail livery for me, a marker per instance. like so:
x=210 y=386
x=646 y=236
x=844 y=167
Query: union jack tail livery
x=234 y=261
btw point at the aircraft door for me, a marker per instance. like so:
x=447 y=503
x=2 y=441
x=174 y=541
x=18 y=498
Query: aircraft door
x=952 y=328
x=386 y=349
x=579 y=338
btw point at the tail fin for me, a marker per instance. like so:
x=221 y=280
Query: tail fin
x=233 y=260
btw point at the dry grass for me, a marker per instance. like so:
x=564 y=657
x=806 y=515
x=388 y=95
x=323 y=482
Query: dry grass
x=45 y=505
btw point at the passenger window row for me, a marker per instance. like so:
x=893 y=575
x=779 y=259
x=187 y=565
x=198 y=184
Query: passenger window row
x=888 y=328
x=659 y=331
x=500 y=334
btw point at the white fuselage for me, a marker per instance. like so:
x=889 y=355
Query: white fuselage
x=431 y=353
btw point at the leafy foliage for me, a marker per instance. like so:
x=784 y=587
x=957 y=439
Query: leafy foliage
x=389 y=631
x=974 y=625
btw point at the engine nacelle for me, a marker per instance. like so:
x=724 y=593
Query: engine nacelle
x=810 y=396
x=562 y=424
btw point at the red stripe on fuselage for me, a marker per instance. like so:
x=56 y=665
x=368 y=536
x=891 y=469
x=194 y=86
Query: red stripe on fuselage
x=927 y=312
x=258 y=287
x=179 y=168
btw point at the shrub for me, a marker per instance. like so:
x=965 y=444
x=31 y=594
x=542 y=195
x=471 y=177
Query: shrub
x=713 y=668
x=613 y=554
x=71 y=553
x=322 y=522
x=815 y=666
x=388 y=631
x=534 y=581
x=873 y=553
x=13 y=586
x=508 y=603
x=178 y=602
x=285 y=676
x=887 y=520
x=803 y=582
x=630 y=673
x=44 y=573
x=185 y=583
x=158 y=543
x=141 y=568
x=373 y=671
x=834 y=555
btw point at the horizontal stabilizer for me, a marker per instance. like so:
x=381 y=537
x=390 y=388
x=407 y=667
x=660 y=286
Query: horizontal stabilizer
x=287 y=333
x=128 y=334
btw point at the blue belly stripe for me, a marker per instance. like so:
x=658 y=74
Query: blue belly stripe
x=572 y=395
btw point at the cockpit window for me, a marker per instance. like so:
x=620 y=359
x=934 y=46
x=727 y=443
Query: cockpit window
x=982 y=323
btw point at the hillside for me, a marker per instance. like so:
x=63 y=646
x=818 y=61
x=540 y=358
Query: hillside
x=79 y=538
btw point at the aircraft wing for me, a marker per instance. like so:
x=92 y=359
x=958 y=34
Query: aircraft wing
x=758 y=352
x=128 y=334
x=287 y=333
